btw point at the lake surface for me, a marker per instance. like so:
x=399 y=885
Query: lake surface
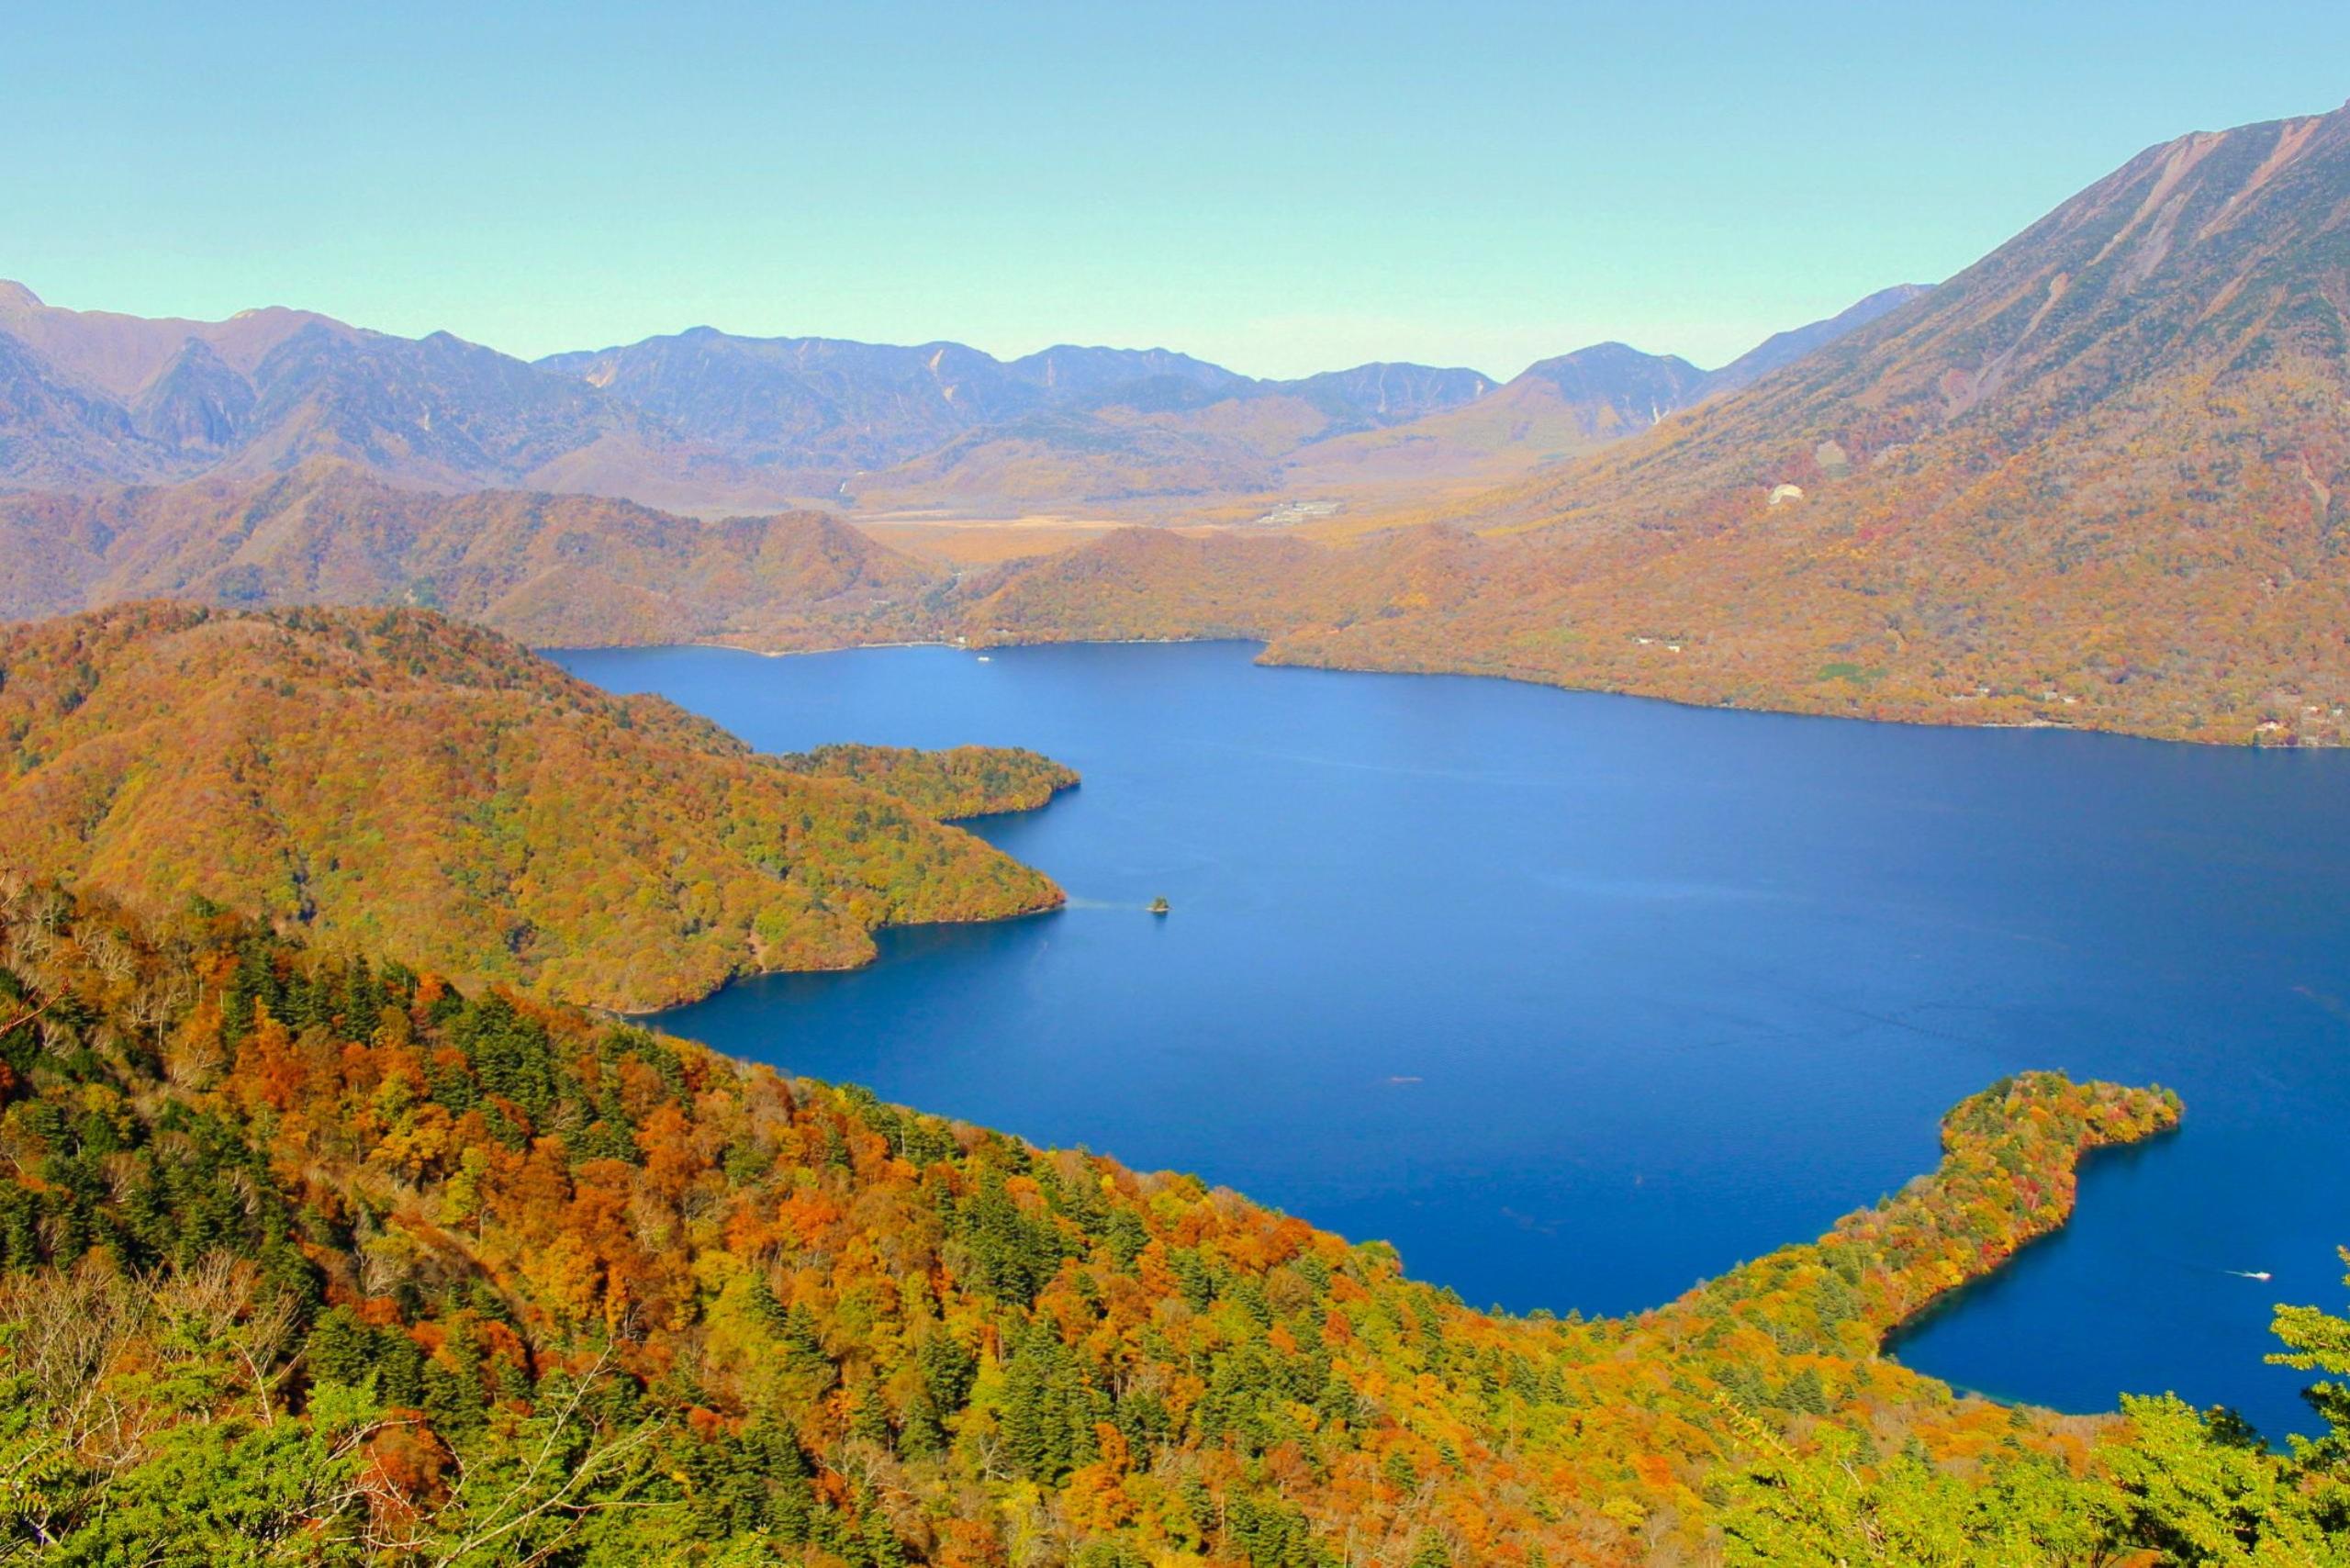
x=1580 y=998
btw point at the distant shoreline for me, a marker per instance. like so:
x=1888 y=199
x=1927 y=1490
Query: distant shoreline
x=1923 y=722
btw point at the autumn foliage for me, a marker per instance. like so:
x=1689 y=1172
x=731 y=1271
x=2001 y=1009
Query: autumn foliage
x=2099 y=479
x=423 y=1232
x=394 y=781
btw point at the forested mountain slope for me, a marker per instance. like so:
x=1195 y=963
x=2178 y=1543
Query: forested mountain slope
x=314 y=1257
x=396 y=782
x=552 y=570
x=1783 y=349
x=2098 y=479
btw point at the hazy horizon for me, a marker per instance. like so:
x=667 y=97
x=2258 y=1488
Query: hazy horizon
x=1497 y=377
x=1286 y=195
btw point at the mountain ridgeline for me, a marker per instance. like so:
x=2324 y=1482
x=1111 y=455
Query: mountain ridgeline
x=704 y=420
x=2096 y=480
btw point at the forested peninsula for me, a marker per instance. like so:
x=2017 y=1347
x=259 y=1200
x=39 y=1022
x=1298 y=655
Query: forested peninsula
x=305 y=1255
x=395 y=781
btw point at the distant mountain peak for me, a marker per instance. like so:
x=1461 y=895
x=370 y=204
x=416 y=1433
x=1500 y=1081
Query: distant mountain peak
x=1784 y=348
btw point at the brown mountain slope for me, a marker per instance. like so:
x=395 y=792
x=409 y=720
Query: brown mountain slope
x=409 y=784
x=2178 y=300
x=545 y=568
x=2101 y=478
x=1557 y=409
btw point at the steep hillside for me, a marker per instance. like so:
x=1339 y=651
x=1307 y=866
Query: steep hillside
x=312 y=1255
x=2101 y=476
x=2204 y=275
x=407 y=784
x=547 y=569
x=53 y=432
x=1783 y=349
x=2099 y=479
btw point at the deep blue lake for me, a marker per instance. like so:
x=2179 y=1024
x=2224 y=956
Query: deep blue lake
x=1580 y=998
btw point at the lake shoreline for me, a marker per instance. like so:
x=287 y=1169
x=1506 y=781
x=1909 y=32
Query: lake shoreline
x=1528 y=677
x=1574 y=1002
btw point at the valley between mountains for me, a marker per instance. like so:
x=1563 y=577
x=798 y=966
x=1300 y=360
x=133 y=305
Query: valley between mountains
x=2096 y=481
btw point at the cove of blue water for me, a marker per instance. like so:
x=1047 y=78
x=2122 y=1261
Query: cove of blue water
x=1580 y=998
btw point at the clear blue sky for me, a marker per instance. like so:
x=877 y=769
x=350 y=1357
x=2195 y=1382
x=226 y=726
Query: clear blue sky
x=1282 y=188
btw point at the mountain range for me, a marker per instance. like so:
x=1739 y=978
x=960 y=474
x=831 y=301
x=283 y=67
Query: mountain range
x=704 y=421
x=2097 y=480
x=343 y=1223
